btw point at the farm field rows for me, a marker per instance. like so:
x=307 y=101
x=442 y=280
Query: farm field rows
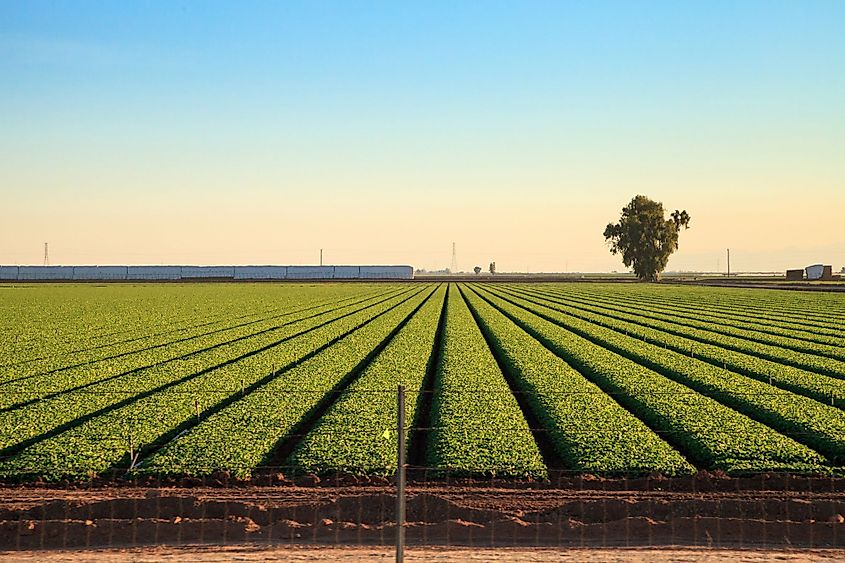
x=507 y=380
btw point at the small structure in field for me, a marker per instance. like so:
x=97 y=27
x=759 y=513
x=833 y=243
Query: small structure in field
x=819 y=272
x=794 y=275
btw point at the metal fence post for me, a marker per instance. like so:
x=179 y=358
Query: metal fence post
x=400 y=474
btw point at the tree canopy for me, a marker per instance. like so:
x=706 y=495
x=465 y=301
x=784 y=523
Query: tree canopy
x=644 y=237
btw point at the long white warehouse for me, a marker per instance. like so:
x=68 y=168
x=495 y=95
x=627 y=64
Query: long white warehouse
x=152 y=273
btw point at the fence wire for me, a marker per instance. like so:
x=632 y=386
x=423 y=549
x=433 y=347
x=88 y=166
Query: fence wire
x=764 y=511
x=68 y=505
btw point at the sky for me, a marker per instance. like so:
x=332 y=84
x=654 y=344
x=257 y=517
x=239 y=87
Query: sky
x=260 y=132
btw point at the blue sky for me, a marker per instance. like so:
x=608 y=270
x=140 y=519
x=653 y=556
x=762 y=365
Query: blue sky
x=212 y=132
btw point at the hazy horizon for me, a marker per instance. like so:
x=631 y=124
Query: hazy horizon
x=258 y=133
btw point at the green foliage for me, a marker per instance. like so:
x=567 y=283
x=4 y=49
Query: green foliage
x=822 y=388
x=245 y=434
x=478 y=427
x=710 y=434
x=589 y=430
x=723 y=345
x=644 y=237
x=808 y=421
x=622 y=378
x=357 y=434
x=62 y=328
x=133 y=370
x=145 y=410
x=832 y=353
x=686 y=310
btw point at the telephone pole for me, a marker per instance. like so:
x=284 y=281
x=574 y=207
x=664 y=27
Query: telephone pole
x=729 y=262
x=321 y=257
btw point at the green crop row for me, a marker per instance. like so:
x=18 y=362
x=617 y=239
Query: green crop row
x=808 y=362
x=820 y=311
x=55 y=321
x=76 y=341
x=134 y=352
x=808 y=421
x=54 y=313
x=710 y=434
x=477 y=425
x=97 y=443
x=357 y=434
x=67 y=355
x=722 y=315
x=819 y=387
x=588 y=429
x=608 y=378
x=776 y=305
x=89 y=378
x=49 y=324
x=729 y=328
x=17 y=426
x=244 y=435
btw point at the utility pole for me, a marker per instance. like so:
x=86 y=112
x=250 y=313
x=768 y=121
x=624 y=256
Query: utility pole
x=729 y=262
x=46 y=256
x=321 y=257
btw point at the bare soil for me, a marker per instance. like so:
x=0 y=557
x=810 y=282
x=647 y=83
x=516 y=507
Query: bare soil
x=249 y=553
x=41 y=518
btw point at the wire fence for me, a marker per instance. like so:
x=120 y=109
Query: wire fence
x=766 y=511
x=409 y=503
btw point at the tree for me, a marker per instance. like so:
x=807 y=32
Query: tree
x=644 y=237
x=477 y=270
x=492 y=267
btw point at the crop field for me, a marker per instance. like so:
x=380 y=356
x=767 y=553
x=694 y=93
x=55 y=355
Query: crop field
x=508 y=380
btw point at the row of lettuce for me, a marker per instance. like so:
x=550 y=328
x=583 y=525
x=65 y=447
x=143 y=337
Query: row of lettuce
x=822 y=358
x=502 y=380
x=114 y=423
x=120 y=372
x=808 y=421
x=746 y=359
x=136 y=321
x=818 y=324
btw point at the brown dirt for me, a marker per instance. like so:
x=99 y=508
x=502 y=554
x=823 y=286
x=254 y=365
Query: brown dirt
x=447 y=555
x=41 y=518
